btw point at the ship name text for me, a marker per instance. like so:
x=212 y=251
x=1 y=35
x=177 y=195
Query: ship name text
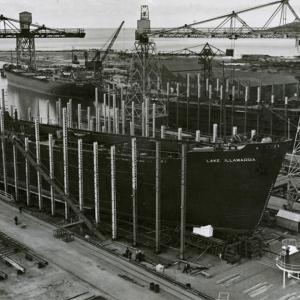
x=230 y=160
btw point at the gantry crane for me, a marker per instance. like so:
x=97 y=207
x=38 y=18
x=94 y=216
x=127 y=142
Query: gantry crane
x=140 y=78
x=97 y=61
x=233 y=26
x=25 y=34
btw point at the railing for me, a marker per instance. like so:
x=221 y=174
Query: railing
x=280 y=262
x=289 y=242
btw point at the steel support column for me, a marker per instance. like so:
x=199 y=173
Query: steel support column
x=3 y=142
x=198 y=99
x=70 y=114
x=79 y=119
x=27 y=173
x=162 y=132
x=146 y=117
x=38 y=161
x=51 y=172
x=117 y=121
x=80 y=175
x=153 y=120
x=104 y=113
x=59 y=113
x=97 y=111
x=16 y=182
x=132 y=133
x=134 y=190
x=108 y=120
x=96 y=182
x=65 y=160
x=183 y=200
x=113 y=192
x=187 y=101
x=123 y=118
x=88 y=118
x=246 y=109
x=47 y=112
x=114 y=114
x=29 y=117
x=157 y=196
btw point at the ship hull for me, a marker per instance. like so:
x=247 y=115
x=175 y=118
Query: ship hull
x=227 y=189
x=58 y=88
x=276 y=121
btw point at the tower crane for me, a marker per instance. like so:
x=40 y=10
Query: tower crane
x=96 y=62
x=25 y=33
x=145 y=73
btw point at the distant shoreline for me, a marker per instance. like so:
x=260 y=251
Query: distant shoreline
x=43 y=51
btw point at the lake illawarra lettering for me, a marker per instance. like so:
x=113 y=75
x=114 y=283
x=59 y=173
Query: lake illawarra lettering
x=231 y=160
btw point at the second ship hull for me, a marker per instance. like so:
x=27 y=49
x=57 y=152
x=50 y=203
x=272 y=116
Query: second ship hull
x=58 y=88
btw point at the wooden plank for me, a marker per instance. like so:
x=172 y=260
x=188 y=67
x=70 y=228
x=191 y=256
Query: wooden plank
x=14 y=264
x=227 y=278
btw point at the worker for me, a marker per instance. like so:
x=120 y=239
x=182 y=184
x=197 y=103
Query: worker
x=20 y=209
x=138 y=255
x=126 y=254
x=142 y=256
x=186 y=268
x=287 y=254
x=16 y=220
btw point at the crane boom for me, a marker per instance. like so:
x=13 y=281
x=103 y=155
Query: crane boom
x=96 y=63
x=217 y=18
x=111 y=43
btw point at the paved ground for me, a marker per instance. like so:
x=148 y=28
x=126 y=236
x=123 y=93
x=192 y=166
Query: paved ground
x=74 y=266
x=256 y=279
x=42 y=284
x=77 y=268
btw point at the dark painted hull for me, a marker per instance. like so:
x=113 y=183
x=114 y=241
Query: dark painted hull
x=58 y=88
x=228 y=189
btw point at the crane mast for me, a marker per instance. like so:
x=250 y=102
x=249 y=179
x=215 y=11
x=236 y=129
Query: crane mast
x=25 y=34
x=144 y=82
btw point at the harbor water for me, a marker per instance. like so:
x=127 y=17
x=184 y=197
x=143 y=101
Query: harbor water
x=97 y=38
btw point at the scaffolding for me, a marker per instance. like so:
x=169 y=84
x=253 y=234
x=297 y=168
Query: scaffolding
x=293 y=189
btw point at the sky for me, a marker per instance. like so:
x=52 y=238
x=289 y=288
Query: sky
x=110 y=13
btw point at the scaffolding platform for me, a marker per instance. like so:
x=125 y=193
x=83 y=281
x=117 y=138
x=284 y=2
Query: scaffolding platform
x=289 y=260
